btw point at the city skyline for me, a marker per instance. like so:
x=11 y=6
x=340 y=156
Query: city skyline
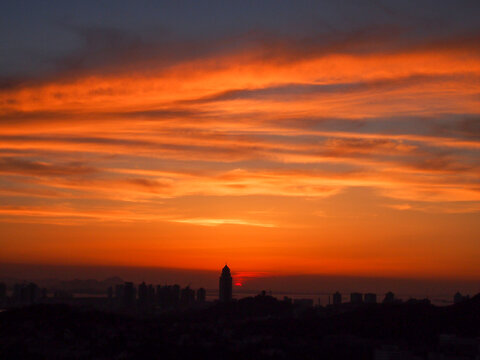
x=291 y=140
x=146 y=299
x=91 y=281
x=119 y=288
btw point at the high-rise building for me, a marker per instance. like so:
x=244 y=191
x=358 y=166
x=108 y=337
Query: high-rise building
x=146 y=298
x=356 y=298
x=129 y=296
x=43 y=293
x=225 y=288
x=142 y=297
x=32 y=293
x=151 y=295
x=163 y=296
x=201 y=295
x=187 y=296
x=175 y=295
x=119 y=291
x=168 y=296
x=17 y=293
x=370 y=298
x=110 y=297
x=337 y=298
x=389 y=298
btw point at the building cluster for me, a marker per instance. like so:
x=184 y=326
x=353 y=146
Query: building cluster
x=150 y=299
x=125 y=297
x=371 y=298
x=22 y=294
x=357 y=298
x=29 y=293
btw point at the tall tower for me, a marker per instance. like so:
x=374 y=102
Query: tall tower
x=225 y=293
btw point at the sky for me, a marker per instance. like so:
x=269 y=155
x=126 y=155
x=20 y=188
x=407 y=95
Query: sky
x=284 y=138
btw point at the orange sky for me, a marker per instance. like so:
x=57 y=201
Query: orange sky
x=351 y=164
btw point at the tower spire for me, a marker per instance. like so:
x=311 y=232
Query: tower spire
x=225 y=284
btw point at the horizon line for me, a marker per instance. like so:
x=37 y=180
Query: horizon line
x=266 y=274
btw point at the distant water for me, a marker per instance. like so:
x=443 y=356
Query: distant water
x=323 y=299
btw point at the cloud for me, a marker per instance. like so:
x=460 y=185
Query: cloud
x=111 y=50
x=218 y=222
x=466 y=128
x=400 y=206
x=10 y=165
x=290 y=92
x=67 y=215
x=439 y=208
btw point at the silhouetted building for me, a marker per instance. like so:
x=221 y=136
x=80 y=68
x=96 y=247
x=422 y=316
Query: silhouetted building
x=175 y=295
x=416 y=301
x=25 y=294
x=356 y=298
x=119 y=291
x=129 y=296
x=201 y=295
x=142 y=292
x=17 y=290
x=146 y=298
x=3 y=293
x=33 y=293
x=110 y=301
x=389 y=298
x=151 y=296
x=337 y=298
x=168 y=296
x=303 y=303
x=119 y=295
x=160 y=295
x=225 y=288
x=370 y=298
x=187 y=297
x=142 y=297
x=458 y=298
x=43 y=293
